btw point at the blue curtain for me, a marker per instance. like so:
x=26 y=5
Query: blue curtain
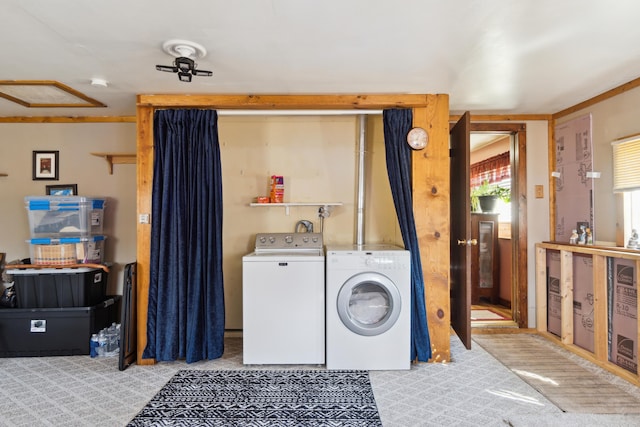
x=186 y=299
x=397 y=123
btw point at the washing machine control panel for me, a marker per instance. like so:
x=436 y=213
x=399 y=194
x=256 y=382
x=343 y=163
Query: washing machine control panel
x=288 y=241
x=381 y=262
x=374 y=260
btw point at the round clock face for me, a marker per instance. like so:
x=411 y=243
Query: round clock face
x=417 y=138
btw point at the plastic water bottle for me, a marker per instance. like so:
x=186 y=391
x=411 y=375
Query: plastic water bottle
x=112 y=337
x=102 y=344
x=118 y=332
x=93 y=345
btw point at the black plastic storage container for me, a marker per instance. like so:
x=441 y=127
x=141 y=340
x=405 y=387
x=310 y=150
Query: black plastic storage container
x=59 y=287
x=53 y=331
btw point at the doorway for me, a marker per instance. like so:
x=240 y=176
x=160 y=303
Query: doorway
x=514 y=238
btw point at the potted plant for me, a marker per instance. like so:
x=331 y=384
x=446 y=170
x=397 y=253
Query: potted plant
x=485 y=196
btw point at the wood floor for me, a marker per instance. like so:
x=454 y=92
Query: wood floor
x=566 y=383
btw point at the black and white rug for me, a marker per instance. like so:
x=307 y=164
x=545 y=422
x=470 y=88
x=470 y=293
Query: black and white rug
x=262 y=398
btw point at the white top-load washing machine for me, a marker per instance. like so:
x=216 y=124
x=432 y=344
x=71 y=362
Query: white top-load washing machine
x=283 y=300
x=368 y=291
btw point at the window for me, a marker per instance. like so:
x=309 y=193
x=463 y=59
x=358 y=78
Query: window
x=626 y=158
x=626 y=180
x=631 y=213
x=502 y=207
x=496 y=171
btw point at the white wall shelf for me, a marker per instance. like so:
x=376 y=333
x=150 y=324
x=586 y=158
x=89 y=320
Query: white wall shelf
x=286 y=206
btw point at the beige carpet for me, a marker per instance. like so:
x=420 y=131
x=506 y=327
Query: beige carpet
x=558 y=377
x=485 y=314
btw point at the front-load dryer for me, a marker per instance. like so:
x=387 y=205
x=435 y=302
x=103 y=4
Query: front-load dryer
x=368 y=294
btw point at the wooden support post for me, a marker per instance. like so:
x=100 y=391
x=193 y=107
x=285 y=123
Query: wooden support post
x=566 y=296
x=541 y=289
x=143 y=234
x=600 y=304
x=431 y=212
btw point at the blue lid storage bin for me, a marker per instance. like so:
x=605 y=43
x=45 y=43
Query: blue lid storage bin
x=66 y=250
x=64 y=216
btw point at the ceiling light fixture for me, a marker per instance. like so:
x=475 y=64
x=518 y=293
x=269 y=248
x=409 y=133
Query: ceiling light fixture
x=99 y=82
x=184 y=65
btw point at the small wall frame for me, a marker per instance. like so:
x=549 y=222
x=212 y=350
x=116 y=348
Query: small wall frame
x=45 y=165
x=62 y=190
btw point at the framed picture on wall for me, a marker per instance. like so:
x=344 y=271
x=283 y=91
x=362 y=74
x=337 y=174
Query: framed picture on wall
x=45 y=165
x=62 y=190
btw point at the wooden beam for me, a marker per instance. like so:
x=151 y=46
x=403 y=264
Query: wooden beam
x=430 y=186
x=541 y=289
x=599 y=98
x=520 y=251
x=503 y=117
x=637 y=337
x=600 y=304
x=431 y=189
x=566 y=296
x=143 y=231
x=88 y=119
x=284 y=102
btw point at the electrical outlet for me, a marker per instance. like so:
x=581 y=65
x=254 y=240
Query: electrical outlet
x=539 y=191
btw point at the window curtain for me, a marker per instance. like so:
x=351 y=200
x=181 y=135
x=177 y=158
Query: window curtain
x=186 y=299
x=397 y=123
x=493 y=170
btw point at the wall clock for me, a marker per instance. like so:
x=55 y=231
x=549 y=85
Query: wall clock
x=417 y=138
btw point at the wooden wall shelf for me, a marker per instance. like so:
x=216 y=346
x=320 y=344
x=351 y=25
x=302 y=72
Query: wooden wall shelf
x=3 y=174
x=117 y=159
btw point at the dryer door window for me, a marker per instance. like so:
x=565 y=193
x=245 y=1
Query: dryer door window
x=369 y=304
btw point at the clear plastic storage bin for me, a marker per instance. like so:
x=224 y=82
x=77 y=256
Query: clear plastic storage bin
x=60 y=216
x=67 y=250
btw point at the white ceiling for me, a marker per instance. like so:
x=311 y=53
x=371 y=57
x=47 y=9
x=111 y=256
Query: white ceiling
x=490 y=56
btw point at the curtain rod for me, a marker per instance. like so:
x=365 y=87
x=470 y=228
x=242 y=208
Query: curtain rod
x=296 y=112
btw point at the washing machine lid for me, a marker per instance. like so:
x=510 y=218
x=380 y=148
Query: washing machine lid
x=369 y=304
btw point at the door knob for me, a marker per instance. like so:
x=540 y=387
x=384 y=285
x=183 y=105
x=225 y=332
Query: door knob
x=471 y=242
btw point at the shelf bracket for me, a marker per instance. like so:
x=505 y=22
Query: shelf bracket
x=324 y=211
x=117 y=159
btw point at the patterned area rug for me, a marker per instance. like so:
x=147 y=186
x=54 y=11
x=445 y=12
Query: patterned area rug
x=262 y=398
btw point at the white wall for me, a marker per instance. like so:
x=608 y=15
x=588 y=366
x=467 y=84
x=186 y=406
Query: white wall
x=75 y=142
x=537 y=209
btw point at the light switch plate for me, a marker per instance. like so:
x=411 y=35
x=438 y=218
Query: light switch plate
x=539 y=191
